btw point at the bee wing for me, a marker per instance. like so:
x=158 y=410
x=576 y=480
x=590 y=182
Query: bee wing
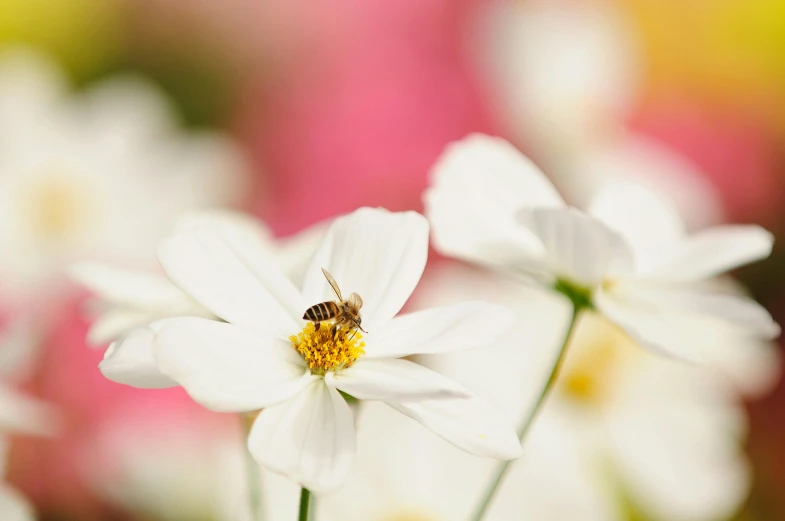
x=332 y=282
x=355 y=301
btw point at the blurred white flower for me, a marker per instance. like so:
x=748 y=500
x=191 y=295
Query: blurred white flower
x=629 y=257
x=566 y=75
x=98 y=175
x=267 y=357
x=20 y=413
x=194 y=469
x=13 y=506
x=623 y=429
x=566 y=72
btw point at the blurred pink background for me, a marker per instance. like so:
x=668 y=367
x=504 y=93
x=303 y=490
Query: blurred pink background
x=345 y=104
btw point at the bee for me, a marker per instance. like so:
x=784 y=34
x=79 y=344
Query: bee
x=344 y=312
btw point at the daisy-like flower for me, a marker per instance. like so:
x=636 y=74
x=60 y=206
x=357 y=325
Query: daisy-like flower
x=629 y=257
x=624 y=430
x=265 y=356
x=78 y=171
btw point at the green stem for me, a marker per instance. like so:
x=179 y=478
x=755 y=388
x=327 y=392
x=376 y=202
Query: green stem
x=305 y=499
x=254 y=478
x=501 y=471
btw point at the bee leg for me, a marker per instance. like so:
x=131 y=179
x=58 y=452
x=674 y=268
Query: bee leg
x=317 y=325
x=334 y=330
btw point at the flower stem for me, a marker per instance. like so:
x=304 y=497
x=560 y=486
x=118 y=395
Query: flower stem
x=305 y=499
x=254 y=479
x=501 y=471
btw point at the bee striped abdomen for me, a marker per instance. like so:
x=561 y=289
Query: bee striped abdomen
x=321 y=312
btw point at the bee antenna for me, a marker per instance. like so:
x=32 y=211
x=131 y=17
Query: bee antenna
x=358 y=327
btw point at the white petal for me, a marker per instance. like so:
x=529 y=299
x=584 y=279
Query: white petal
x=390 y=379
x=133 y=288
x=233 y=276
x=130 y=361
x=19 y=343
x=439 y=330
x=115 y=323
x=309 y=438
x=118 y=321
x=737 y=310
x=752 y=366
x=749 y=363
x=13 y=507
x=131 y=299
x=479 y=184
x=715 y=251
x=468 y=423
x=653 y=329
x=228 y=368
x=581 y=248
x=377 y=254
x=226 y=222
x=402 y=470
x=24 y=414
x=293 y=254
x=650 y=225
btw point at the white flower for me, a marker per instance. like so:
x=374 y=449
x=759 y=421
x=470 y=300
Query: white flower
x=99 y=175
x=629 y=257
x=13 y=506
x=565 y=74
x=129 y=301
x=267 y=357
x=622 y=428
x=670 y=435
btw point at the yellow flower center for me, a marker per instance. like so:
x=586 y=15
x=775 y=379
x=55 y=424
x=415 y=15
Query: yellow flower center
x=324 y=350
x=587 y=381
x=600 y=355
x=57 y=209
